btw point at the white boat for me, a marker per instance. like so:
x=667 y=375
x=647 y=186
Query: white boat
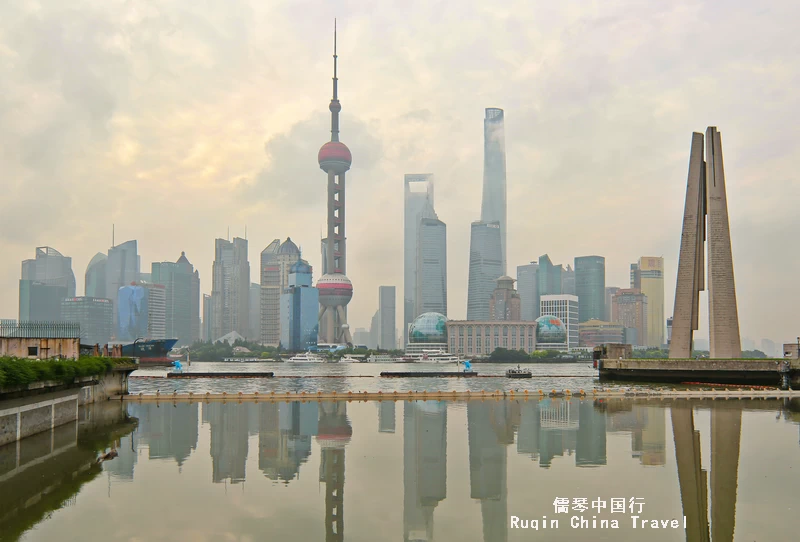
x=306 y=357
x=381 y=358
x=438 y=356
x=351 y=359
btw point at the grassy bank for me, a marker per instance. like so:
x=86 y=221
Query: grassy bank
x=16 y=372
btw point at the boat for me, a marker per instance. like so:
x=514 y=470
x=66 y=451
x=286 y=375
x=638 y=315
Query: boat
x=519 y=372
x=438 y=356
x=153 y=351
x=352 y=359
x=381 y=358
x=306 y=357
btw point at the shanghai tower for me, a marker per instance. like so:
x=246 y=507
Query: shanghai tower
x=493 y=207
x=335 y=289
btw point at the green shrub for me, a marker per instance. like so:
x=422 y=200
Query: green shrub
x=16 y=372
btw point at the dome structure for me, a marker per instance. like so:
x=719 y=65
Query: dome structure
x=428 y=328
x=334 y=156
x=288 y=247
x=335 y=290
x=550 y=330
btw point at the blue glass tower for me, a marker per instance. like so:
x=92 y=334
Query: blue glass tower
x=299 y=310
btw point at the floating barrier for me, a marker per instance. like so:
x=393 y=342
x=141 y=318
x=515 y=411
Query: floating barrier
x=521 y=395
x=221 y=375
x=430 y=374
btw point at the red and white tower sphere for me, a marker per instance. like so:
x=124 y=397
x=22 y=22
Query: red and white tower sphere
x=335 y=289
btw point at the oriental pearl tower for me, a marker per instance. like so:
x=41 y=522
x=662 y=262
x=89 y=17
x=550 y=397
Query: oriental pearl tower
x=335 y=289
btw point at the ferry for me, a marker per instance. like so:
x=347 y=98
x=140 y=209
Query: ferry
x=438 y=356
x=306 y=357
x=381 y=358
x=350 y=358
x=519 y=372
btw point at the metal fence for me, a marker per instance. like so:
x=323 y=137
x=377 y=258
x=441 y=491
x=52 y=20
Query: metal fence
x=40 y=330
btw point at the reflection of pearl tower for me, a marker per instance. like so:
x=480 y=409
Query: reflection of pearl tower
x=335 y=289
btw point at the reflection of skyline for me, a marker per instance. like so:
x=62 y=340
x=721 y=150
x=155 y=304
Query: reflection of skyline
x=424 y=466
x=229 y=431
x=333 y=434
x=169 y=431
x=648 y=428
x=285 y=431
x=489 y=432
x=386 y=417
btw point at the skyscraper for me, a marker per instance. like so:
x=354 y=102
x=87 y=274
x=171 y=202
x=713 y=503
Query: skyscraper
x=45 y=281
x=299 y=309
x=386 y=306
x=706 y=197
x=418 y=197
x=335 y=289
x=207 y=319
x=122 y=268
x=254 y=333
x=568 y=281
x=610 y=291
x=647 y=275
x=182 y=305
x=431 y=270
x=590 y=286
x=630 y=308
x=549 y=276
x=230 y=289
x=485 y=267
x=94 y=315
x=270 y=294
x=505 y=303
x=528 y=288
x=141 y=312
x=493 y=205
x=95 y=279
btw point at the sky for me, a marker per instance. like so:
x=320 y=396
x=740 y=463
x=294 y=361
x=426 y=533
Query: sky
x=178 y=121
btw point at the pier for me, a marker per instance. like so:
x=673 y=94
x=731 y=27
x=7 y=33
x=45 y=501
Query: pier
x=783 y=373
x=428 y=374
x=262 y=374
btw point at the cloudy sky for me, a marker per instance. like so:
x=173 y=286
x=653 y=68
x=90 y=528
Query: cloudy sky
x=175 y=120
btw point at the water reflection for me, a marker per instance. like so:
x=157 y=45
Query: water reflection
x=601 y=445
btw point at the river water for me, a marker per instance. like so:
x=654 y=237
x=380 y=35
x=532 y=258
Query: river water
x=356 y=377
x=365 y=471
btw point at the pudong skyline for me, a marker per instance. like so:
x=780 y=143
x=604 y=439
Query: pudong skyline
x=580 y=173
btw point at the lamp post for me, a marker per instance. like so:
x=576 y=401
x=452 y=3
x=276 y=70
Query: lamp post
x=134 y=345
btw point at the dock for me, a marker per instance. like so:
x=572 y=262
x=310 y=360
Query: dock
x=261 y=374
x=428 y=374
x=768 y=372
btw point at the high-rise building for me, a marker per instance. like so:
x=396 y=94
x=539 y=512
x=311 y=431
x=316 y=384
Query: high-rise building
x=276 y=261
x=610 y=292
x=706 y=199
x=590 y=285
x=182 y=290
x=299 y=309
x=95 y=316
x=647 y=275
x=50 y=267
x=549 y=276
x=629 y=307
x=141 y=312
x=335 y=289
x=568 y=285
x=431 y=273
x=271 y=294
x=597 y=332
x=418 y=197
x=375 y=330
x=230 y=289
x=361 y=336
x=528 y=288
x=207 y=319
x=493 y=204
x=122 y=268
x=505 y=304
x=387 y=310
x=768 y=347
x=45 y=281
x=95 y=279
x=566 y=308
x=485 y=267
x=255 y=313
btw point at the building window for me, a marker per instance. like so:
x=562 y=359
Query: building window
x=486 y=330
x=496 y=341
x=461 y=343
x=514 y=342
x=478 y=343
x=469 y=331
x=33 y=350
x=460 y=331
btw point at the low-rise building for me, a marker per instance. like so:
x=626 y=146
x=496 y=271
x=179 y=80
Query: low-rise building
x=481 y=338
x=597 y=332
x=40 y=340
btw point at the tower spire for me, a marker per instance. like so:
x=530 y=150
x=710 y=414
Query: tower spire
x=335 y=107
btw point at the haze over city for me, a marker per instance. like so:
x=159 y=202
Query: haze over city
x=176 y=122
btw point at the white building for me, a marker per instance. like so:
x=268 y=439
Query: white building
x=565 y=308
